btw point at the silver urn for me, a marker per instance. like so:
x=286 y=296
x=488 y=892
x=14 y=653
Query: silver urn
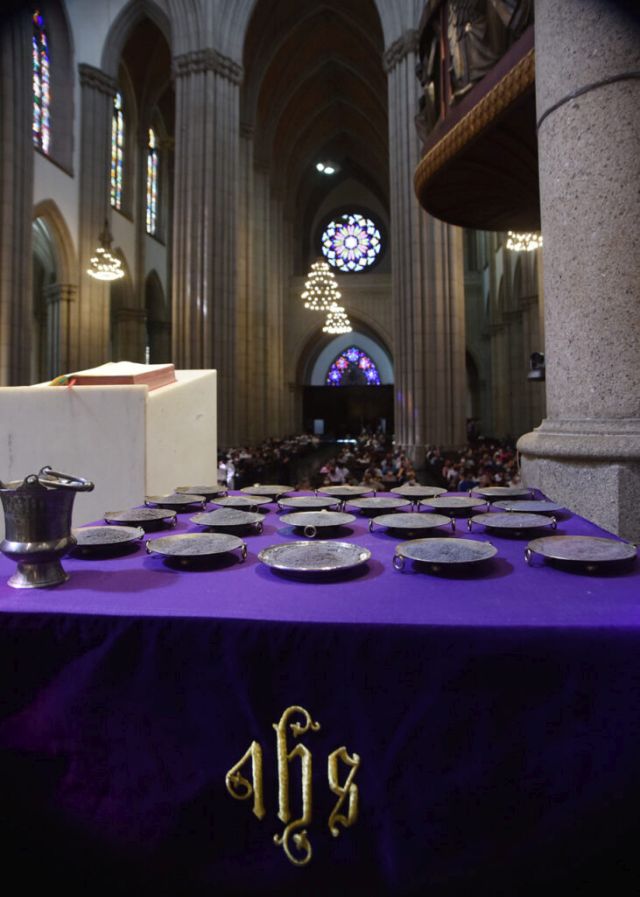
x=37 y=514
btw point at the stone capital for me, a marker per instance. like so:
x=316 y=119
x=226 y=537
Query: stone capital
x=207 y=60
x=96 y=79
x=400 y=49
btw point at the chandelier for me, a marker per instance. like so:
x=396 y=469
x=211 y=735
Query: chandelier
x=337 y=321
x=518 y=242
x=103 y=265
x=321 y=289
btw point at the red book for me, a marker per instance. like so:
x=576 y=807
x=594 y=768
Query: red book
x=121 y=373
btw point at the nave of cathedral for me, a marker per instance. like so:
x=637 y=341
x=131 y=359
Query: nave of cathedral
x=220 y=150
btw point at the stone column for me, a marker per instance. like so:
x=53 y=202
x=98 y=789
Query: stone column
x=586 y=453
x=16 y=198
x=427 y=284
x=91 y=325
x=129 y=333
x=59 y=299
x=204 y=235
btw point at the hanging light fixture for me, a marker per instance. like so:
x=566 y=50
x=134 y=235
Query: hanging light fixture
x=518 y=242
x=103 y=265
x=321 y=288
x=337 y=321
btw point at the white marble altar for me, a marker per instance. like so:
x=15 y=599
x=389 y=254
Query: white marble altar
x=129 y=441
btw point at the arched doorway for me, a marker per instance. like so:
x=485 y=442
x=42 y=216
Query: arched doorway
x=349 y=387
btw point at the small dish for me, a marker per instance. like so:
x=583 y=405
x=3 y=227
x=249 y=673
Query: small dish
x=592 y=552
x=175 y=501
x=101 y=539
x=312 y=521
x=458 y=505
x=272 y=491
x=378 y=504
x=411 y=521
x=314 y=557
x=492 y=493
x=147 y=518
x=345 y=492
x=242 y=502
x=229 y=519
x=208 y=492
x=533 y=506
x=415 y=493
x=188 y=547
x=443 y=553
x=512 y=521
x=307 y=503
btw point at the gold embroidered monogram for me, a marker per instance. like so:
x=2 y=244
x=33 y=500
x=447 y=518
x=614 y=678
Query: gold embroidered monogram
x=285 y=757
x=349 y=789
x=241 y=788
x=295 y=763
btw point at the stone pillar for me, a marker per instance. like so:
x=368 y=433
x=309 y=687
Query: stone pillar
x=204 y=235
x=129 y=333
x=427 y=284
x=91 y=326
x=59 y=299
x=16 y=198
x=586 y=453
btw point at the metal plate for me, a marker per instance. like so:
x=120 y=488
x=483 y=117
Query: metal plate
x=243 y=502
x=314 y=557
x=512 y=520
x=228 y=517
x=317 y=519
x=379 y=503
x=307 y=502
x=207 y=491
x=583 y=549
x=174 y=501
x=143 y=516
x=410 y=521
x=90 y=537
x=418 y=491
x=195 y=545
x=453 y=503
x=268 y=489
x=531 y=505
x=344 y=491
x=444 y=552
x=496 y=492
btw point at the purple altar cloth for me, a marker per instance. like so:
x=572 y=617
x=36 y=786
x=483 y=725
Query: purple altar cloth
x=497 y=717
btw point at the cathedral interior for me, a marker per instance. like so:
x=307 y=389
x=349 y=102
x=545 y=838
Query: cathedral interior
x=418 y=218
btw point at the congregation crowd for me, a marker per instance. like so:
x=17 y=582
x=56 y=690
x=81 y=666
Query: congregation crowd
x=371 y=459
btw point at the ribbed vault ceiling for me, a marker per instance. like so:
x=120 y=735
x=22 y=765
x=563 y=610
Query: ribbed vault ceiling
x=315 y=89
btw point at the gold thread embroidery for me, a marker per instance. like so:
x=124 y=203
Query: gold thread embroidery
x=348 y=790
x=285 y=757
x=240 y=788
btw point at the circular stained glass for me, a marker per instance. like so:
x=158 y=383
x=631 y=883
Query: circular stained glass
x=351 y=242
x=353 y=368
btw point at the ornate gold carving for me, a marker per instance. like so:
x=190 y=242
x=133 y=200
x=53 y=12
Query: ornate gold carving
x=396 y=52
x=348 y=790
x=241 y=788
x=518 y=80
x=294 y=839
x=208 y=60
x=285 y=757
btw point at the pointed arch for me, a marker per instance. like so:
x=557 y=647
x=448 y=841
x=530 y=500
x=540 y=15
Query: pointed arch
x=133 y=12
x=67 y=260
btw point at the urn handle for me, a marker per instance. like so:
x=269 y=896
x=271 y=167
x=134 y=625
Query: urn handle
x=49 y=477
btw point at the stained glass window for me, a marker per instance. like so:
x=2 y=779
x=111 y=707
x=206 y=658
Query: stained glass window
x=353 y=367
x=152 y=183
x=117 y=151
x=351 y=242
x=41 y=84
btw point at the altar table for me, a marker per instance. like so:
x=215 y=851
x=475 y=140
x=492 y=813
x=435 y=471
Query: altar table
x=490 y=726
